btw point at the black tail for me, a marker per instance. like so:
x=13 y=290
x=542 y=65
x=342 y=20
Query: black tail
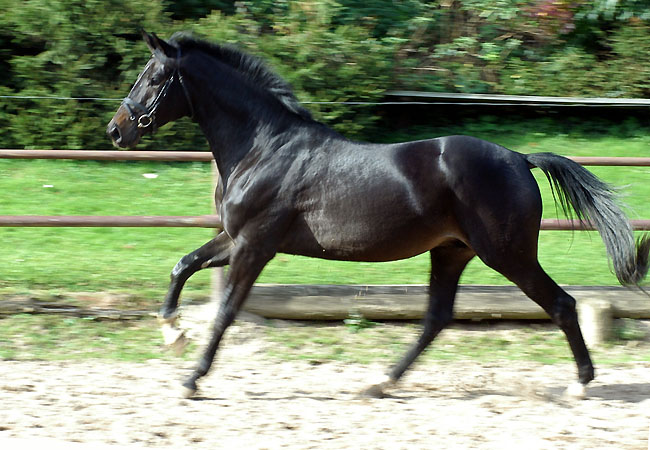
x=594 y=201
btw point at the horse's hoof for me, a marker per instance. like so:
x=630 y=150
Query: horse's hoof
x=376 y=390
x=188 y=390
x=575 y=391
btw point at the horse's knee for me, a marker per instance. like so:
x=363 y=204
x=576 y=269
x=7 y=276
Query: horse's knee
x=179 y=268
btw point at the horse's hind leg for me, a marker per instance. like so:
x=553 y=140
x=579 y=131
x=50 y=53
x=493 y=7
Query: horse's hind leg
x=561 y=307
x=447 y=264
x=215 y=253
x=526 y=273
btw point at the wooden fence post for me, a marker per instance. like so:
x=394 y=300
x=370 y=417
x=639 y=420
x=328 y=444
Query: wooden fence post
x=595 y=318
x=217 y=273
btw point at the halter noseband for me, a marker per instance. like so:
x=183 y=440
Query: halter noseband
x=148 y=118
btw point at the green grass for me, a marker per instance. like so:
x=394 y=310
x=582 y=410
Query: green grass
x=386 y=343
x=53 y=338
x=138 y=260
x=100 y=259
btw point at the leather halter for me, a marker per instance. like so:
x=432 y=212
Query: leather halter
x=148 y=117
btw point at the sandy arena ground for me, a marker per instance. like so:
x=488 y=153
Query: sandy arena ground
x=251 y=401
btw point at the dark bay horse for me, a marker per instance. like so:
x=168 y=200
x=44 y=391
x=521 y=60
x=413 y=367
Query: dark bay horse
x=293 y=185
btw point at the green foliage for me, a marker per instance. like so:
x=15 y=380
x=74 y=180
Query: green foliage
x=629 y=70
x=539 y=47
x=323 y=61
x=69 y=48
x=195 y=9
x=330 y=50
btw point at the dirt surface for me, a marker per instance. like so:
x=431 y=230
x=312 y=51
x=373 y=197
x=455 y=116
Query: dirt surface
x=252 y=401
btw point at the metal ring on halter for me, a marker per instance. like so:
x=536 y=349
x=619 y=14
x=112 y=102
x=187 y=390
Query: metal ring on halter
x=145 y=121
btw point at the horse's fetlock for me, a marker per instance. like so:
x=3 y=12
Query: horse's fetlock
x=586 y=373
x=167 y=316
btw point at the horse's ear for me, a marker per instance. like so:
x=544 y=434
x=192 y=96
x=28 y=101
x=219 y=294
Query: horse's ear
x=156 y=44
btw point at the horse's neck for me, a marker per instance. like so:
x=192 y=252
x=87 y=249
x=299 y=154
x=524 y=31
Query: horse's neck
x=234 y=134
x=229 y=135
x=227 y=147
x=234 y=137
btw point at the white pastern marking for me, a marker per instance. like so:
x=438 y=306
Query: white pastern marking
x=382 y=381
x=576 y=391
x=170 y=333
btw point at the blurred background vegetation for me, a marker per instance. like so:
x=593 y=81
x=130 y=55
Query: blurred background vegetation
x=330 y=51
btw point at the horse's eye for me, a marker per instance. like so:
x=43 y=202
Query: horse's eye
x=156 y=79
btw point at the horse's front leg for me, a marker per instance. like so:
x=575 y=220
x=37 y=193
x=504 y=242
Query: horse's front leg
x=246 y=263
x=447 y=264
x=215 y=253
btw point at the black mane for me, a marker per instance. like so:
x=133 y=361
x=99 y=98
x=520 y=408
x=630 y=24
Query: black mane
x=250 y=66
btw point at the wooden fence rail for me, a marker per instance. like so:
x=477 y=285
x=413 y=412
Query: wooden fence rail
x=213 y=221
x=108 y=155
x=153 y=155
x=207 y=221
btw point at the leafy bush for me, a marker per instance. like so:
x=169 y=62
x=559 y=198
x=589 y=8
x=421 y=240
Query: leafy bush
x=69 y=48
x=323 y=61
x=331 y=51
x=629 y=68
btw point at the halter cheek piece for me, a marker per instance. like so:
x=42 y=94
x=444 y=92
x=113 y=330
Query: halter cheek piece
x=148 y=117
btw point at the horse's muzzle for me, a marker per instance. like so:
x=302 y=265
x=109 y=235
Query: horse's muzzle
x=114 y=133
x=123 y=135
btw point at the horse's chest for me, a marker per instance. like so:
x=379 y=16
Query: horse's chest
x=249 y=205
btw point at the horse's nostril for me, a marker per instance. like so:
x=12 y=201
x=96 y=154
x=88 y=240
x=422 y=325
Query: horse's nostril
x=114 y=134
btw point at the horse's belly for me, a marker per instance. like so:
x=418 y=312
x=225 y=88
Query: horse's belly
x=389 y=210
x=356 y=240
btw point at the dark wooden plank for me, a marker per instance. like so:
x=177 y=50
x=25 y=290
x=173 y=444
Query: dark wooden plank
x=108 y=155
x=409 y=302
x=399 y=302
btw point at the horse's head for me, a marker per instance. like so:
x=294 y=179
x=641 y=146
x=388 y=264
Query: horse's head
x=158 y=96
